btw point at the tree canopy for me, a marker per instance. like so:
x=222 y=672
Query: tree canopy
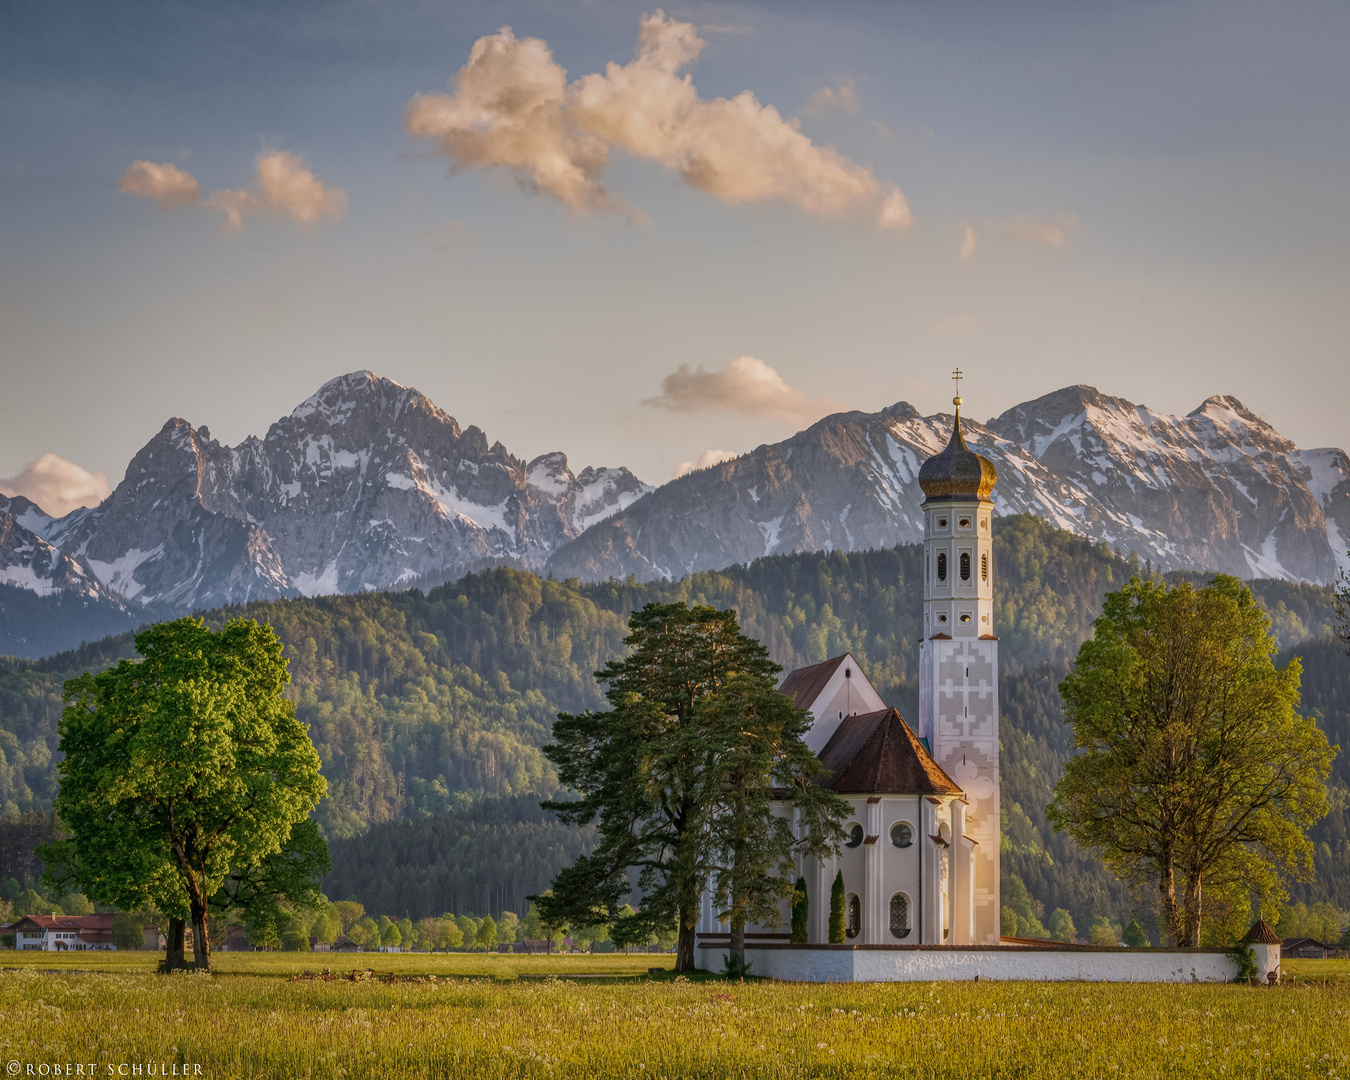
x=183 y=770
x=1196 y=777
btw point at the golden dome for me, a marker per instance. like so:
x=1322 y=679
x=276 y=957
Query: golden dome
x=957 y=472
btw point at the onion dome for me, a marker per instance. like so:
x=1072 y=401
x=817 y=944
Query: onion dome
x=958 y=472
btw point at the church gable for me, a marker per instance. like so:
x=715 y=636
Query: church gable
x=878 y=754
x=830 y=691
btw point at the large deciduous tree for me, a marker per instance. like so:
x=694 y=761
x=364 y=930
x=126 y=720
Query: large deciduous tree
x=654 y=769
x=1196 y=772
x=182 y=770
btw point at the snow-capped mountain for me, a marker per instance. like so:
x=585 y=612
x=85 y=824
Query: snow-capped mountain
x=1217 y=489
x=366 y=485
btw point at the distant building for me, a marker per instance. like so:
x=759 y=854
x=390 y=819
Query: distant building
x=1306 y=948
x=60 y=933
x=345 y=944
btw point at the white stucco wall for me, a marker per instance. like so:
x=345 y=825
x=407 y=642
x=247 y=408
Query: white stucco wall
x=901 y=964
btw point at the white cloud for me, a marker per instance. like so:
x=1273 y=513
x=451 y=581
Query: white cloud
x=1023 y=229
x=705 y=459
x=285 y=187
x=57 y=485
x=167 y=184
x=512 y=107
x=968 y=241
x=842 y=95
x=746 y=385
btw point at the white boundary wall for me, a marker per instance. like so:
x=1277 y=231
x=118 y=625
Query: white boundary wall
x=885 y=963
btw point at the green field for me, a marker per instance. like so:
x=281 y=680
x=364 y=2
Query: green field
x=254 y=1020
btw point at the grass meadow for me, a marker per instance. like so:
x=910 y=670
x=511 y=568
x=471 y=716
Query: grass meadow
x=506 y=1016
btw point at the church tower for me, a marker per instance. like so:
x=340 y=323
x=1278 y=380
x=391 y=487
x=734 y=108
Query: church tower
x=958 y=665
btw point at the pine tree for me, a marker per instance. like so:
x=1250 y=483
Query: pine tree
x=838 y=927
x=801 y=913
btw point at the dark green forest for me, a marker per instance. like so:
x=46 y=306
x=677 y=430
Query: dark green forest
x=429 y=710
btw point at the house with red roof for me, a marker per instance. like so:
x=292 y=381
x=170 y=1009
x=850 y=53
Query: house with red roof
x=59 y=933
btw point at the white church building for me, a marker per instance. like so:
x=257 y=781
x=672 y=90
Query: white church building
x=920 y=864
x=921 y=859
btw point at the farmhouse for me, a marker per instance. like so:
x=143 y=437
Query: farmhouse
x=58 y=933
x=1305 y=948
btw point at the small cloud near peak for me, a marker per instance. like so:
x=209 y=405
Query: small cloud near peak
x=842 y=95
x=705 y=460
x=746 y=385
x=57 y=485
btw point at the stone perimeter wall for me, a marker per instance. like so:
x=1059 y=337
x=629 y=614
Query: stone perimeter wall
x=817 y=963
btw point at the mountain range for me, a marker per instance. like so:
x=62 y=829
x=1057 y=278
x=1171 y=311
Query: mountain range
x=367 y=485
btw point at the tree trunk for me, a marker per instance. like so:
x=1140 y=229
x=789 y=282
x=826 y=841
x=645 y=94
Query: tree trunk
x=173 y=939
x=1167 y=896
x=684 y=951
x=1194 y=896
x=201 y=940
x=737 y=965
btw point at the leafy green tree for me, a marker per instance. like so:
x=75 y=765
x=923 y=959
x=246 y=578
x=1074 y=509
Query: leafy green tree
x=295 y=937
x=754 y=736
x=1061 y=925
x=271 y=890
x=128 y=930
x=1101 y=932
x=408 y=933
x=327 y=925
x=1007 y=921
x=365 y=933
x=801 y=913
x=1195 y=770
x=349 y=913
x=76 y=903
x=486 y=938
x=450 y=936
x=1135 y=936
x=32 y=902
x=181 y=768
x=468 y=928
x=507 y=925
x=647 y=769
x=1027 y=908
x=390 y=938
x=838 y=925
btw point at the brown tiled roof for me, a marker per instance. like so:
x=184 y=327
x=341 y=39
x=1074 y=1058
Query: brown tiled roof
x=1261 y=934
x=877 y=752
x=804 y=684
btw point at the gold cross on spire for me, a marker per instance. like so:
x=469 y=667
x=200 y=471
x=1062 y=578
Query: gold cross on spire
x=956 y=378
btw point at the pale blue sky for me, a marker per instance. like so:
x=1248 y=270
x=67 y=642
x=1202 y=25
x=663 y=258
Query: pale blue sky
x=1195 y=153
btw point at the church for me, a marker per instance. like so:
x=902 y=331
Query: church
x=920 y=860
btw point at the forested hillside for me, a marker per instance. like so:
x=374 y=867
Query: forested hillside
x=426 y=704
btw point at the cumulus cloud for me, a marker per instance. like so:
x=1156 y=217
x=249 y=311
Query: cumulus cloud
x=842 y=95
x=512 y=107
x=705 y=459
x=284 y=187
x=167 y=184
x=57 y=485
x=746 y=385
x=1023 y=229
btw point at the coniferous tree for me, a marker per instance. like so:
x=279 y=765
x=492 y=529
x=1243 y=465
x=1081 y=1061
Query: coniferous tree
x=801 y=913
x=838 y=926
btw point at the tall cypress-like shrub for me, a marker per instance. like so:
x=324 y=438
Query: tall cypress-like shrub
x=801 y=912
x=837 y=924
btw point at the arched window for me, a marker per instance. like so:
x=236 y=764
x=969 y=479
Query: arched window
x=854 y=909
x=855 y=835
x=900 y=915
x=984 y=566
x=942 y=566
x=965 y=566
x=901 y=834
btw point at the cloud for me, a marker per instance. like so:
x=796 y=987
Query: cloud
x=968 y=241
x=1023 y=229
x=512 y=107
x=167 y=184
x=842 y=95
x=746 y=385
x=284 y=187
x=57 y=485
x=705 y=459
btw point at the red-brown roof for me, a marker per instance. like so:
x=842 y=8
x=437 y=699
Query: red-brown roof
x=805 y=684
x=1261 y=934
x=878 y=753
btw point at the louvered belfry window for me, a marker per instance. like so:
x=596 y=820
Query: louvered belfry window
x=965 y=566
x=984 y=566
x=942 y=566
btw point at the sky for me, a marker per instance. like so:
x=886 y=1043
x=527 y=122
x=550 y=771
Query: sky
x=646 y=236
